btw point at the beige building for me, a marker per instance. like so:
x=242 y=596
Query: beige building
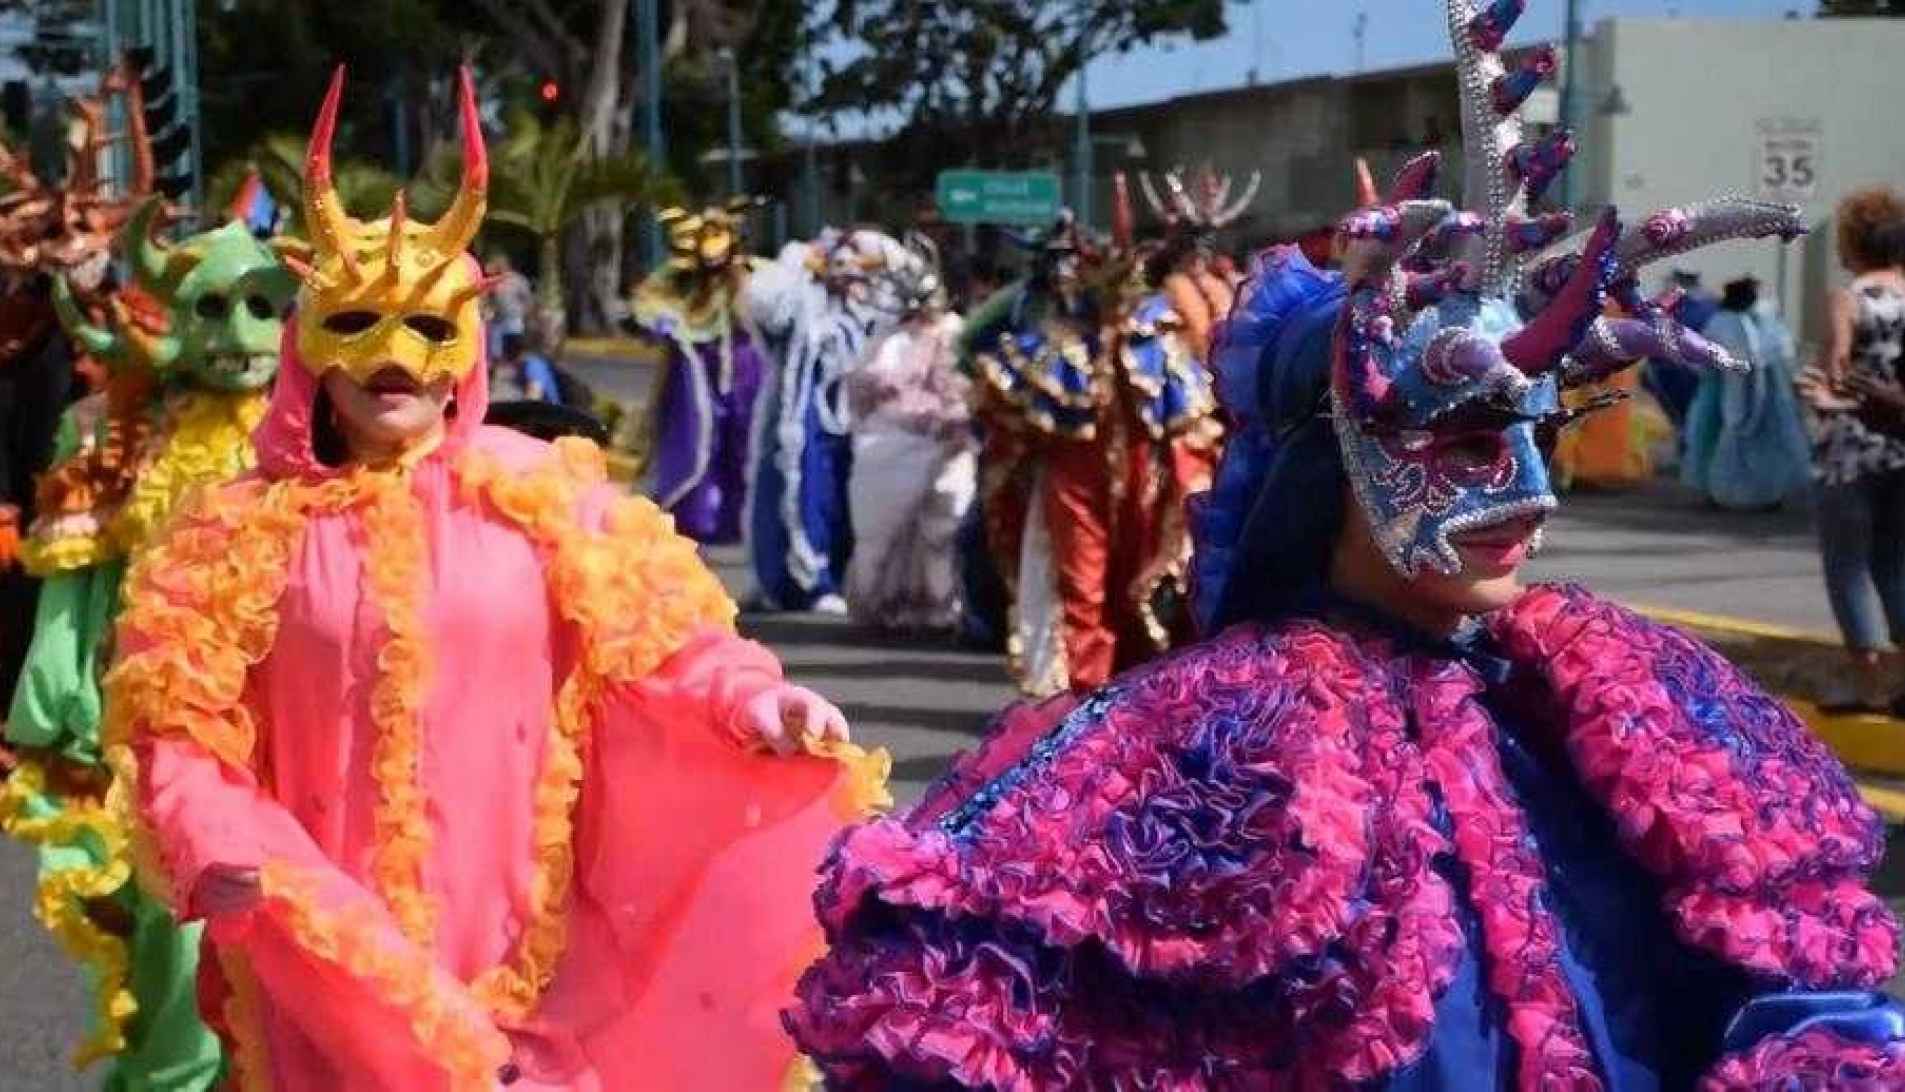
x=1670 y=110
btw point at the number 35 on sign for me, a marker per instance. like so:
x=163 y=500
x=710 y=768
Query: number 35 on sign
x=1787 y=166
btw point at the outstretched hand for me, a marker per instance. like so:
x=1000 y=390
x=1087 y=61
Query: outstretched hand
x=786 y=717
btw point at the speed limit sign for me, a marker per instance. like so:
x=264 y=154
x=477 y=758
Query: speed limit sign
x=1787 y=165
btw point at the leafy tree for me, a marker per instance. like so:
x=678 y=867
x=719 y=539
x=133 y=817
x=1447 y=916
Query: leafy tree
x=264 y=65
x=978 y=82
x=544 y=178
x=366 y=188
x=1829 y=8
x=62 y=42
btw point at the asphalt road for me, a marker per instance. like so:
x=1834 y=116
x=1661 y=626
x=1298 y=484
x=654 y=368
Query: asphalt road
x=925 y=702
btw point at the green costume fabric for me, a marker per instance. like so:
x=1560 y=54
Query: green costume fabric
x=206 y=364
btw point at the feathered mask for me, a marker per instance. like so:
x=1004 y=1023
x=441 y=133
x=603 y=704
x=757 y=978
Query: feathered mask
x=1462 y=327
x=67 y=229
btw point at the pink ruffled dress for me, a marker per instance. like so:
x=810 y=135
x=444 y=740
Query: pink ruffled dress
x=472 y=719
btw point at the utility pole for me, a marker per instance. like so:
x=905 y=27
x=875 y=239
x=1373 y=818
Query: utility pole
x=1570 y=76
x=648 y=49
x=1359 y=32
x=1081 y=153
x=185 y=45
x=810 y=188
x=734 y=121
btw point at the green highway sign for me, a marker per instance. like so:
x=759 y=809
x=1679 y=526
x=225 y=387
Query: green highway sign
x=998 y=197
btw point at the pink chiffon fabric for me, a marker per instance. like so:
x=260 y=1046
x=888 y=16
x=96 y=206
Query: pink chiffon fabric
x=688 y=918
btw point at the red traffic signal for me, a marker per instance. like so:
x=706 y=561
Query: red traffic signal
x=550 y=91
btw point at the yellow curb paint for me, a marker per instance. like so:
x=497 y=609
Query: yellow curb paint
x=1743 y=627
x=621 y=467
x=611 y=348
x=1886 y=800
x=1862 y=742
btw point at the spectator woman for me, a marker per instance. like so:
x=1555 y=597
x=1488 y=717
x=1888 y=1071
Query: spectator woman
x=1860 y=469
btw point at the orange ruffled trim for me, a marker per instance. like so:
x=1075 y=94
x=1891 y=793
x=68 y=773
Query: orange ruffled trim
x=396 y=555
x=207 y=600
x=249 y=1059
x=470 y=1057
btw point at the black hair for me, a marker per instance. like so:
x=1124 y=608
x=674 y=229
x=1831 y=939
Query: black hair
x=327 y=439
x=513 y=346
x=1888 y=243
x=1740 y=295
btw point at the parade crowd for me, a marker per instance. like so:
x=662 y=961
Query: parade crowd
x=372 y=738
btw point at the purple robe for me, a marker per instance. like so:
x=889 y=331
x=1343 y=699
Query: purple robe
x=703 y=420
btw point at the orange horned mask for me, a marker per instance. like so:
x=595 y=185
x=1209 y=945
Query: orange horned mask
x=391 y=292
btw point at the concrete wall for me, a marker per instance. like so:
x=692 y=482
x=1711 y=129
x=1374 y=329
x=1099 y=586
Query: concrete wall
x=1697 y=90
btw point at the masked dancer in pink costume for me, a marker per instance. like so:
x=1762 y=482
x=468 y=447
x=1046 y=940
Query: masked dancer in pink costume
x=453 y=748
x=1399 y=823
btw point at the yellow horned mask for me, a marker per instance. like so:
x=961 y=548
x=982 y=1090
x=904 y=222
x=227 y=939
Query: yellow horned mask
x=391 y=292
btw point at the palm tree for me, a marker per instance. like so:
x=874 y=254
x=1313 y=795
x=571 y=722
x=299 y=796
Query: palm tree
x=543 y=179
x=365 y=188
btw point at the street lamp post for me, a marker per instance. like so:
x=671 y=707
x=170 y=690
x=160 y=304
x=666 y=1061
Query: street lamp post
x=733 y=65
x=810 y=187
x=1569 y=85
x=648 y=47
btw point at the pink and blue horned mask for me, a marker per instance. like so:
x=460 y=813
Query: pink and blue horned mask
x=1464 y=327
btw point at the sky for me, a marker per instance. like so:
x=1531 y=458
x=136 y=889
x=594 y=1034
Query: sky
x=1288 y=39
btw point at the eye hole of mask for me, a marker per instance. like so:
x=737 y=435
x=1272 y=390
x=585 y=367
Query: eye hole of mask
x=1471 y=451
x=1548 y=432
x=347 y=323
x=260 y=307
x=431 y=327
x=212 y=307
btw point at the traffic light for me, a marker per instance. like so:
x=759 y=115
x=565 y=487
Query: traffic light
x=16 y=106
x=550 y=92
x=170 y=136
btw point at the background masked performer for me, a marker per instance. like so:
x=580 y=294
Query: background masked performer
x=914 y=458
x=820 y=304
x=192 y=349
x=1185 y=268
x=703 y=417
x=54 y=230
x=1099 y=423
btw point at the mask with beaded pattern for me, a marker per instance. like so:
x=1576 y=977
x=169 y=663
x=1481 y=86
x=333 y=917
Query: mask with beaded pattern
x=1463 y=327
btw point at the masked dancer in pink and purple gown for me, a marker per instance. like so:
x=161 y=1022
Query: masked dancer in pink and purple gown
x=1398 y=822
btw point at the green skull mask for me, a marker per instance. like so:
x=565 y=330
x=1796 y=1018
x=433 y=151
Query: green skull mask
x=223 y=295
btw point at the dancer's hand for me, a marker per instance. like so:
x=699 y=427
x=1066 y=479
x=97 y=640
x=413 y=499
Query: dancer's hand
x=1821 y=392
x=785 y=717
x=226 y=889
x=1884 y=392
